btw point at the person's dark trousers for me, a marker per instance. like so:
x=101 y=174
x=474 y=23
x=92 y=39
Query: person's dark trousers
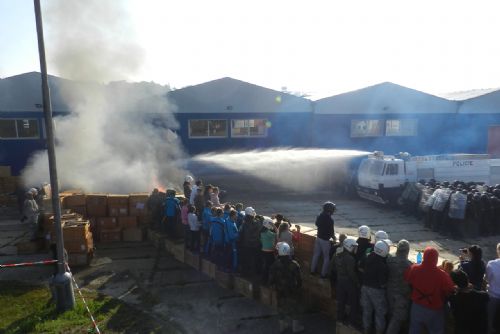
x=437 y=218
x=231 y=259
x=170 y=226
x=194 y=241
x=347 y=294
x=267 y=260
x=250 y=261
x=187 y=236
x=218 y=256
x=206 y=243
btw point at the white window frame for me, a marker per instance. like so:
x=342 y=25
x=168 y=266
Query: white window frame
x=402 y=130
x=380 y=133
x=17 y=132
x=233 y=135
x=208 y=128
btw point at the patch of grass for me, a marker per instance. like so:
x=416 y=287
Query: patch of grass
x=28 y=309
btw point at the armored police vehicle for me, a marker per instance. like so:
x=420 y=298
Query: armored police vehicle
x=381 y=178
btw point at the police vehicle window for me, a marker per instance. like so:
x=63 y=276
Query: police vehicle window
x=27 y=128
x=365 y=166
x=8 y=128
x=202 y=128
x=248 y=128
x=377 y=168
x=391 y=169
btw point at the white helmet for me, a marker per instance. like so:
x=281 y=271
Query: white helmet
x=349 y=244
x=381 y=248
x=283 y=248
x=250 y=211
x=268 y=223
x=364 y=232
x=188 y=178
x=381 y=235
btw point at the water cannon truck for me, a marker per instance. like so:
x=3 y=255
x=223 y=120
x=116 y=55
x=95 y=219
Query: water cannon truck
x=381 y=178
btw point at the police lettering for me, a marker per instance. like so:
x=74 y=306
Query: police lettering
x=462 y=163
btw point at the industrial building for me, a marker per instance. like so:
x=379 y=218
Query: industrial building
x=229 y=114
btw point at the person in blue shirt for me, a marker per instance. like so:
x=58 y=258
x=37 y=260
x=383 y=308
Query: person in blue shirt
x=232 y=235
x=171 y=213
x=241 y=215
x=206 y=218
x=227 y=210
x=218 y=237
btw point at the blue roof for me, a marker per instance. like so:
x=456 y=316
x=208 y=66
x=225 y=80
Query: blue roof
x=228 y=95
x=384 y=98
x=23 y=93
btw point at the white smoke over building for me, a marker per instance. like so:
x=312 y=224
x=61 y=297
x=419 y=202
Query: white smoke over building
x=119 y=136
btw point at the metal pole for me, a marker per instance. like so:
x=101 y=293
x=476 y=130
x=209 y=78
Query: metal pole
x=64 y=293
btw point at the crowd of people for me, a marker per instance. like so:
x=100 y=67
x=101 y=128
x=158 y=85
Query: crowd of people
x=375 y=290
x=456 y=208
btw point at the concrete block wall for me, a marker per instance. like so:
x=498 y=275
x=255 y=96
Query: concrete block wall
x=316 y=293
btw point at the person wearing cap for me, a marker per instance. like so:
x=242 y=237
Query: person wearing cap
x=268 y=246
x=430 y=288
x=365 y=247
x=250 y=242
x=468 y=306
x=398 y=290
x=346 y=287
x=286 y=280
x=172 y=211
x=231 y=241
x=205 y=226
x=187 y=186
x=373 y=289
x=493 y=279
x=471 y=262
x=241 y=214
x=154 y=204
x=194 y=191
x=30 y=211
x=218 y=239
x=322 y=244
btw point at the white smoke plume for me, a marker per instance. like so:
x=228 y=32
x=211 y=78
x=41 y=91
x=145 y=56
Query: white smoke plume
x=120 y=136
x=300 y=170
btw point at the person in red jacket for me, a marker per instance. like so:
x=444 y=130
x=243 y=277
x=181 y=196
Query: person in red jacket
x=430 y=288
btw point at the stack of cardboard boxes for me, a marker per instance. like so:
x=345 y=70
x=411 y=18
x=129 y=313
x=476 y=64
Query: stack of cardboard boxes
x=78 y=239
x=113 y=217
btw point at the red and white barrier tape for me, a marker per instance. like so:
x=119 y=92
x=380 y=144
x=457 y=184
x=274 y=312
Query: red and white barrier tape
x=28 y=264
x=84 y=302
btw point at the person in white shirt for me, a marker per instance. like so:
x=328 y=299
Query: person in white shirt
x=31 y=211
x=493 y=278
x=194 y=226
x=194 y=190
x=214 y=197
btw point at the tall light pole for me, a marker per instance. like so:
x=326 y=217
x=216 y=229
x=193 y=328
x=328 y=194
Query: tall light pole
x=64 y=294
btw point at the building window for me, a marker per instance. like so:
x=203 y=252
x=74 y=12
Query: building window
x=366 y=128
x=248 y=128
x=19 y=128
x=202 y=128
x=401 y=127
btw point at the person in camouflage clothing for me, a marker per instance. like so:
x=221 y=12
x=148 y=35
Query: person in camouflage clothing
x=285 y=278
x=347 y=281
x=398 y=290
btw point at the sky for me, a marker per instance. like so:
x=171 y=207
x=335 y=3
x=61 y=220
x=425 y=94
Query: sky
x=320 y=48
